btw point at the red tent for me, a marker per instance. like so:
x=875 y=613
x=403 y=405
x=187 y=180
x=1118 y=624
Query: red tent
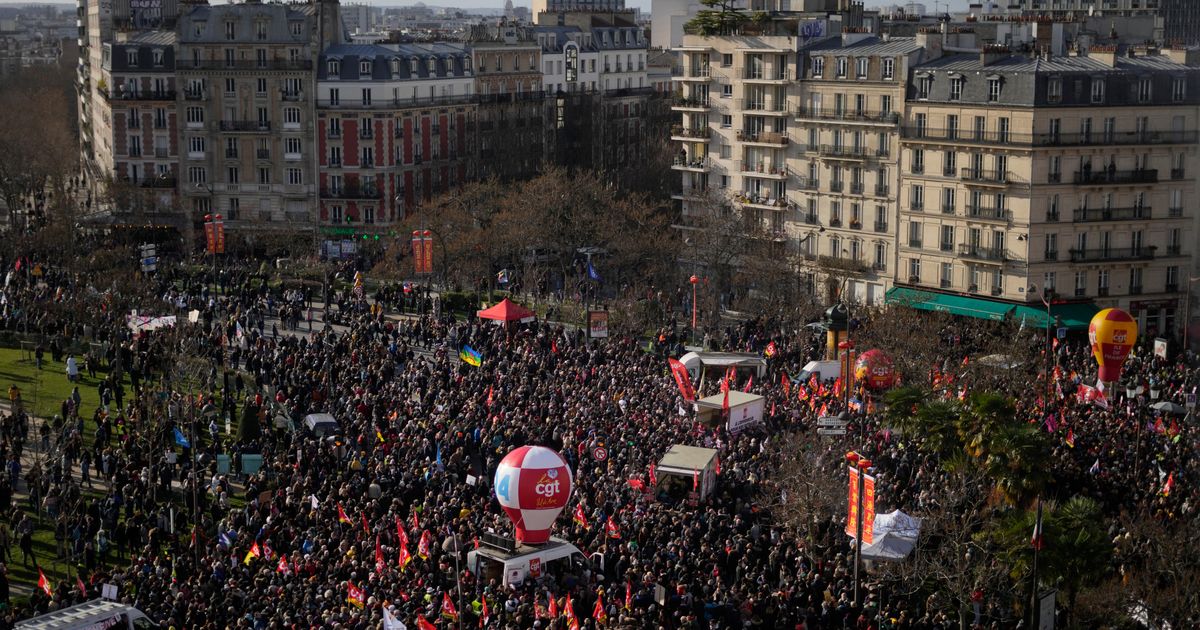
x=507 y=311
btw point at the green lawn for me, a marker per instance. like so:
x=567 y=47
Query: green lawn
x=42 y=392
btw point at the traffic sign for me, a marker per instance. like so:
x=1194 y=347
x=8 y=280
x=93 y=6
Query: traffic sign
x=832 y=421
x=600 y=453
x=1062 y=332
x=1191 y=401
x=831 y=431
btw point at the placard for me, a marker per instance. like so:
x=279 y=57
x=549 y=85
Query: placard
x=597 y=324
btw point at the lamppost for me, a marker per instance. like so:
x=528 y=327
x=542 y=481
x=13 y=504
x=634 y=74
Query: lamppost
x=862 y=465
x=695 y=280
x=214 y=228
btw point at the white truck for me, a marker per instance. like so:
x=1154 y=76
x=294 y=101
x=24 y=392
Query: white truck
x=521 y=562
x=98 y=614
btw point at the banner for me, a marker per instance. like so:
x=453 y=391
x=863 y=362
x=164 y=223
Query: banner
x=597 y=324
x=683 y=380
x=418 y=246
x=868 y=507
x=427 y=252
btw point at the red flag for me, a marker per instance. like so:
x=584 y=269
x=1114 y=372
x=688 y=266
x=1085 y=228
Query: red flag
x=380 y=563
x=771 y=350
x=1173 y=430
x=355 y=595
x=1071 y=438
x=490 y=400
x=401 y=535
x=554 y=346
x=44 y=584
x=725 y=403
x=611 y=529
x=801 y=393
x=423 y=624
x=1166 y=492
x=448 y=609
x=366 y=527
x=837 y=387
x=569 y=611
x=282 y=567
x=580 y=517
x=423 y=545
x=598 y=612
x=483 y=618
x=682 y=379
x=628 y=596
x=1159 y=427
x=342 y=518
x=966 y=360
x=405 y=556
x=749 y=383
x=80 y=586
x=824 y=410
x=653 y=476
x=787 y=384
x=553 y=612
x=416 y=524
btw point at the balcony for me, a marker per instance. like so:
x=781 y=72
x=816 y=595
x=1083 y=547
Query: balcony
x=844 y=264
x=960 y=136
x=856 y=188
x=948 y=209
x=761 y=107
x=1135 y=289
x=679 y=102
x=806 y=183
x=946 y=247
x=1174 y=250
x=1112 y=254
x=989 y=213
x=836 y=186
x=291 y=96
x=700 y=164
x=835 y=152
x=1113 y=177
x=1052 y=216
x=158 y=182
x=763 y=137
x=979 y=252
x=986 y=178
x=1176 y=173
x=759 y=200
x=350 y=192
x=862 y=116
x=335 y=164
x=1050 y=255
x=679 y=132
x=758 y=169
x=773 y=76
x=881 y=227
x=995 y=137
x=263 y=154
x=243 y=64
x=914 y=243
x=162 y=152
x=855 y=225
x=810 y=219
x=1088 y=215
x=1171 y=287
x=882 y=191
x=231 y=154
x=195 y=95
x=160 y=95
x=405 y=103
x=1054 y=178
x=252 y=126
x=1175 y=213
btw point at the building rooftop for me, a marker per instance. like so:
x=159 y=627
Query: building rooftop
x=152 y=38
x=1024 y=64
x=865 y=47
x=395 y=62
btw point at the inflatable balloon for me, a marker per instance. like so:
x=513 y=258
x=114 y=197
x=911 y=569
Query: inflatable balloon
x=875 y=370
x=1112 y=334
x=533 y=484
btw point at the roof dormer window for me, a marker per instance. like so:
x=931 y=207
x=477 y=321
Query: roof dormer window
x=131 y=57
x=334 y=68
x=432 y=66
x=395 y=67
x=364 y=68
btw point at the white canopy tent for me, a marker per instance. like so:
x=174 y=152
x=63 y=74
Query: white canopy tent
x=895 y=534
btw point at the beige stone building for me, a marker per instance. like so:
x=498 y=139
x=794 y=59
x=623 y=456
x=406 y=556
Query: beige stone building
x=1072 y=175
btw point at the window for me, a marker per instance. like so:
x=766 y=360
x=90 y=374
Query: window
x=335 y=127
x=364 y=69
x=918 y=161
x=889 y=68
x=818 y=67
x=295 y=176
x=880 y=256
x=951 y=126
x=1143 y=90
x=260 y=56
x=1054 y=89
x=1048 y=281
x=948 y=199
x=726 y=121
x=1178 y=89
x=264 y=175
x=365 y=128
x=947 y=274
x=956 y=88
x=1002 y=127
x=366 y=97
x=291 y=115
x=947 y=242
x=914 y=234
x=135 y=146
x=157 y=55
x=1097 y=90
x=1135 y=280
x=914 y=269
x=335 y=156
x=196 y=144
x=835 y=247
x=297 y=27
x=841 y=66
x=727 y=91
x=367 y=157
x=260 y=85
x=726 y=60
x=1081 y=284
x=368 y=215
x=861 y=65
x=1172 y=278
x=335 y=214
x=232 y=175
x=918 y=197
x=197 y=175
x=334 y=68
x=260 y=30
x=231 y=147
x=335 y=97
x=924 y=85
x=230 y=31
x=230 y=86
x=292 y=145
x=993 y=90
x=998 y=281
x=195 y=115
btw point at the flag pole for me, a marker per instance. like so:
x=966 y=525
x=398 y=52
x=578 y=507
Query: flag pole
x=1037 y=528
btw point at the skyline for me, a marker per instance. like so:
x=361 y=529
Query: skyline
x=644 y=5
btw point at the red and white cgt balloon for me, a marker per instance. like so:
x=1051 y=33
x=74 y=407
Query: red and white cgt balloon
x=533 y=484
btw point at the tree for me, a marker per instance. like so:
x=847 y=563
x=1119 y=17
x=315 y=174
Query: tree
x=38 y=147
x=719 y=17
x=805 y=496
x=1076 y=549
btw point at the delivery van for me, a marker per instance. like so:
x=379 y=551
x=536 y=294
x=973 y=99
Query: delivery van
x=824 y=370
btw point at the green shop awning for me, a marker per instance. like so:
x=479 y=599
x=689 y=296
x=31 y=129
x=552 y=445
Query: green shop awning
x=953 y=304
x=1070 y=316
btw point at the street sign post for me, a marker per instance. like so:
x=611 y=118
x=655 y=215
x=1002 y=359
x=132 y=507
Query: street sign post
x=831 y=431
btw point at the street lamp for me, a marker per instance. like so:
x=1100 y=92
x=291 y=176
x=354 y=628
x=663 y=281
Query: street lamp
x=695 y=280
x=863 y=464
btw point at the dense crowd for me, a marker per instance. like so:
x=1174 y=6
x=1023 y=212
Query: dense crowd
x=420 y=436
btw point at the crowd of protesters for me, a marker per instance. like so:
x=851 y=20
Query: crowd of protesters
x=420 y=436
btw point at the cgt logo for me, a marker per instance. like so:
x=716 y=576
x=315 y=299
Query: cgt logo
x=548 y=486
x=1119 y=336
